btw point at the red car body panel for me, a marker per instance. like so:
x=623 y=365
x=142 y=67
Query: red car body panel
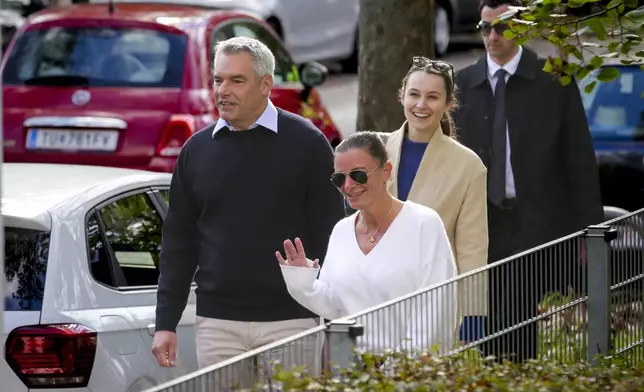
x=151 y=122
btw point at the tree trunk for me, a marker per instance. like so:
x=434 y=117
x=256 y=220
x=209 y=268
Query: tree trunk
x=391 y=32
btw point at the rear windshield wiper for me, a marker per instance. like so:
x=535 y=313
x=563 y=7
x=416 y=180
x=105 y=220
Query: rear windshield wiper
x=58 y=80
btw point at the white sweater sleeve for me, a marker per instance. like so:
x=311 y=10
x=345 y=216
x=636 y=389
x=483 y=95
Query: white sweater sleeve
x=433 y=319
x=312 y=292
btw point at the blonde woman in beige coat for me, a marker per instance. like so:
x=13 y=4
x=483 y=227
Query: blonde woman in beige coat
x=431 y=168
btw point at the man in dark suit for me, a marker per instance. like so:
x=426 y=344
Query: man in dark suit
x=532 y=134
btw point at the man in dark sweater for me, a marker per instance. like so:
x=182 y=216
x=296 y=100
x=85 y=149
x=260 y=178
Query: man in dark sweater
x=239 y=188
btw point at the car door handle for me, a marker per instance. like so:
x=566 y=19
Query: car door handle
x=151 y=328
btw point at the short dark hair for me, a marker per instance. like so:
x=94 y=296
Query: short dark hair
x=498 y=3
x=367 y=141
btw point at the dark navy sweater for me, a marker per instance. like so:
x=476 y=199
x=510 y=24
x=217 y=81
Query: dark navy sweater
x=234 y=199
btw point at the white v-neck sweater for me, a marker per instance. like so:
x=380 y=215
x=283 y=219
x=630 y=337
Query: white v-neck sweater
x=413 y=254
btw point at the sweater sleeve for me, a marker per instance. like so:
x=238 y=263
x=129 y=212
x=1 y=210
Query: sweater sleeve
x=178 y=249
x=313 y=292
x=433 y=318
x=325 y=205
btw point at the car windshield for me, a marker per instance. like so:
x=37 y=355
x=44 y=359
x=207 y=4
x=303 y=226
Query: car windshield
x=25 y=264
x=615 y=110
x=97 y=56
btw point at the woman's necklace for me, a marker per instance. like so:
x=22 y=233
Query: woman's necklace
x=372 y=235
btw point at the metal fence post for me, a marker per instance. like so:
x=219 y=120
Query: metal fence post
x=2 y=275
x=599 y=294
x=341 y=337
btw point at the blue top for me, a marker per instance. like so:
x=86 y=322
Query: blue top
x=411 y=154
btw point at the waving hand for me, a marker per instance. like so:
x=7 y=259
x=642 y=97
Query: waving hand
x=295 y=255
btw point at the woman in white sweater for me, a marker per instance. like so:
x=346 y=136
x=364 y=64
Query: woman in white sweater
x=387 y=249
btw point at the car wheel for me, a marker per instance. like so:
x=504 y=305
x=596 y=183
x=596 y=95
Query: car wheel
x=442 y=31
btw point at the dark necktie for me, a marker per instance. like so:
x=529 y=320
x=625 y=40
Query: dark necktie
x=496 y=183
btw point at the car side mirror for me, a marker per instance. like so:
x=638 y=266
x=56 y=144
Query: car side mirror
x=312 y=74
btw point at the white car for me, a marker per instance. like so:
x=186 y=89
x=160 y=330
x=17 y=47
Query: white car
x=81 y=269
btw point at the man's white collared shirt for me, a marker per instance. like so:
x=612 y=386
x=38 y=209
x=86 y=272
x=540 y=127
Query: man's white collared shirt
x=268 y=120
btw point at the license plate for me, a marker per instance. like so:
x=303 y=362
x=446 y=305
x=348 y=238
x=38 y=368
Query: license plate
x=71 y=140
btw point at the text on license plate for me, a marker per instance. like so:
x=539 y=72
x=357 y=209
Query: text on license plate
x=71 y=140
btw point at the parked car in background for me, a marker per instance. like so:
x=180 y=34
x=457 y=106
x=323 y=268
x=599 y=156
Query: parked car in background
x=615 y=112
x=312 y=30
x=82 y=250
x=13 y=14
x=127 y=86
x=327 y=30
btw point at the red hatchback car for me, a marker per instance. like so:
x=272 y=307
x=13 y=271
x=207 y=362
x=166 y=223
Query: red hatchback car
x=127 y=85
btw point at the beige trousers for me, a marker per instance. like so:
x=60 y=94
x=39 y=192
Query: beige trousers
x=219 y=340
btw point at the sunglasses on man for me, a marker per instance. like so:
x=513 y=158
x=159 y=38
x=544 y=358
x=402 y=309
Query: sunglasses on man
x=360 y=176
x=485 y=28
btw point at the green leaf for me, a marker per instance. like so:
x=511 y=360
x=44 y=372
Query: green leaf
x=576 y=3
x=643 y=94
x=520 y=28
x=528 y=17
x=509 y=34
x=547 y=66
x=640 y=53
x=571 y=68
x=553 y=39
x=626 y=47
x=596 y=62
x=522 y=40
x=582 y=73
x=565 y=80
x=612 y=47
x=607 y=74
x=572 y=49
x=558 y=63
x=636 y=15
x=631 y=3
x=590 y=86
x=597 y=27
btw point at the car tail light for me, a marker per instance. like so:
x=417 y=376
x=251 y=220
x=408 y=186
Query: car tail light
x=176 y=133
x=52 y=356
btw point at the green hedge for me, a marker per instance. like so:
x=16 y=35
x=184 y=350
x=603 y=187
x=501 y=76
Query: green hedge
x=403 y=373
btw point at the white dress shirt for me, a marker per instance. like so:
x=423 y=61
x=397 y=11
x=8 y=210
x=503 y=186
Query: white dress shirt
x=268 y=119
